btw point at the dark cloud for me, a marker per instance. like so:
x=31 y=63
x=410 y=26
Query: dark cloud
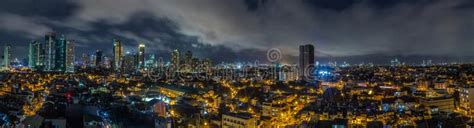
x=242 y=30
x=51 y=9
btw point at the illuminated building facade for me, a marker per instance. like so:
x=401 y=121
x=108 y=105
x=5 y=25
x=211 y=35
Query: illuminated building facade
x=467 y=99
x=50 y=42
x=70 y=57
x=238 y=121
x=118 y=54
x=306 y=60
x=175 y=59
x=60 y=54
x=141 y=56
x=98 y=58
x=7 y=55
x=35 y=55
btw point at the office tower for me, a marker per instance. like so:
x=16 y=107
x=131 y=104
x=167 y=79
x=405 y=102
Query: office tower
x=129 y=61
x=107 y=62
x=141 y=56
x=118 y=54
x=395 y=62
x=97 y=58
x=175 y=59
x=7 y=56
x=70 y=58
x=151 y=62
x=188 y=56
x=35 y=55
x=85 y=60
x=207 y=62
x=60 y=54
x=195 y=62
x=306 y=61
x=93 y=60
x=50 y=42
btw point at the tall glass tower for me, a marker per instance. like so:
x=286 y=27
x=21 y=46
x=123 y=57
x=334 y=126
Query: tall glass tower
x=70 y=57
x=50 y=42
x=175 y=59
x=118 y=54
x=306 y=61
x=98 y=58
x=35 y=56
x=60 y=54
x=7 y=56
x=141 y=56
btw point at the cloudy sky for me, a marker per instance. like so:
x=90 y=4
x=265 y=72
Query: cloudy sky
x=243 y=30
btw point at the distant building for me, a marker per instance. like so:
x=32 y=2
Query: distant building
x=98 y=58
x=107 y=62
x=207 y=62
x=35 y=55
x=7 y=56
x=306 y=60
x=151 y=62
x=188 y=61
x=118 y=54
x=50 y=42
x=85 y=60
x=175 y=59
x=128 y=63
x=141 y=56
x=70 y=57
x=60 y=54
x=188 y=56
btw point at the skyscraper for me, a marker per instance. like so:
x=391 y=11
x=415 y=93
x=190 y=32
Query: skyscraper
x=35 y=55
x=98 y=58
x=7 y=56
x=175 y=59
x=118 y=54
x=70 y=58
x=60 y=54
x=129 y=61
x=50 y=42
x=306 y=61
x=141 y=56
x=85 y=60
x=188 y=61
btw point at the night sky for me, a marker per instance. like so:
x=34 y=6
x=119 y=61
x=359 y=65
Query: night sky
x=243 y=30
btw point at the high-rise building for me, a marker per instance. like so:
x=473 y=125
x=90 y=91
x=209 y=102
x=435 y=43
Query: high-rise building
x=107 y=62
x=7 y=56
x=151 y=62
x=306 y=61
x=60 y=54
x=70 y=58
x=141 y=56
x=188 y=61
x=85 y=60
x=188 y=56
x=175 y=59
x=35 y=55
x=98 y=58
x=129 y=61
x=118 y=54
x=50 y=42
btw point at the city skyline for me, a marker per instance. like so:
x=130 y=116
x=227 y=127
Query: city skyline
x=366 y=31
x=237 y=63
